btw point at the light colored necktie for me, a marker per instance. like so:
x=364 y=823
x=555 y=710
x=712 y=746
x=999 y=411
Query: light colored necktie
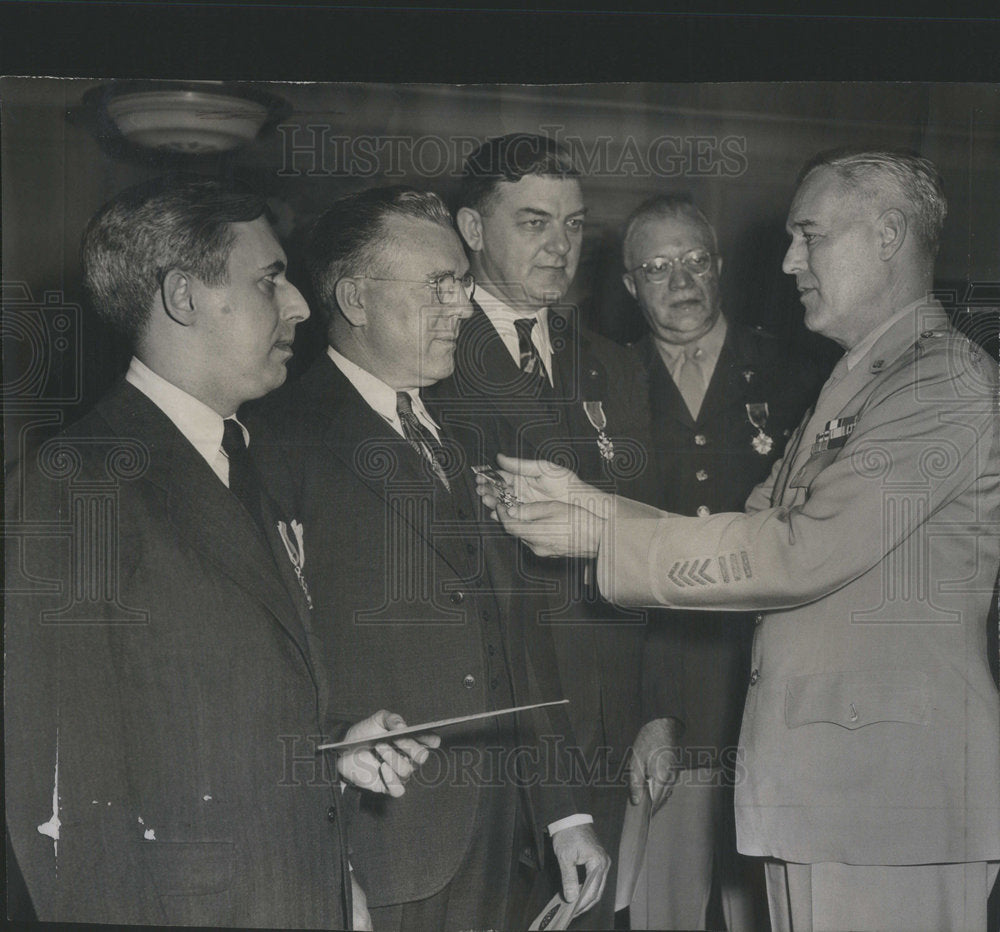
x=690 y=380
x=419 y=437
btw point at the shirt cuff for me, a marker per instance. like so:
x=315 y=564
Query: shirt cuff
x=581 y=818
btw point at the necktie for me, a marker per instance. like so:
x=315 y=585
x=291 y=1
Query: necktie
x=530 y=360
x=690 y=380
x=419 y=437
x=242 y=476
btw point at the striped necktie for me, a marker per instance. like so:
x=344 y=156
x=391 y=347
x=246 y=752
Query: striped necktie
x=420 y=438
x=530 y=360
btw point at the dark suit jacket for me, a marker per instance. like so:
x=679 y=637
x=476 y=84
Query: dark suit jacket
x=415 y=603
x=696 y=665
x=598 y=646
x=160 y=694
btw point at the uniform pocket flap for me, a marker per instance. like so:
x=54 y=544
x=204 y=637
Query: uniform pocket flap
x=182 y=868
x=853 y=700
x=812 y=468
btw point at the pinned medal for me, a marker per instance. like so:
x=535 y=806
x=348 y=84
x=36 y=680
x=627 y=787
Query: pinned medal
x=504 y=493
x=296 y=551
x=757 y=414
x=595 y=414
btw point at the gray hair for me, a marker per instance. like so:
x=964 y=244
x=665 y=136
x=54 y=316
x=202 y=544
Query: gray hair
x=873 y=174
x=662 y=207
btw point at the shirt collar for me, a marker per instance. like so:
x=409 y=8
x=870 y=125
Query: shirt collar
x=381 y=398
x=710 y=345
x=502 y=316
x=199 y=424
x=858 y=352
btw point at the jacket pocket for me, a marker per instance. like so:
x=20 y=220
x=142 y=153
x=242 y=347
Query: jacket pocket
x=193 y=879
x=853 y=700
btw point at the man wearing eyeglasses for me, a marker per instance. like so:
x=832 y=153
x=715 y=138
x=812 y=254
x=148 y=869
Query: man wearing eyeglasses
x=554 y=389
x=413 y=593
x=723 y=399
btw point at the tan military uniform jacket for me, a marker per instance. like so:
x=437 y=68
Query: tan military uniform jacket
x=871 y=728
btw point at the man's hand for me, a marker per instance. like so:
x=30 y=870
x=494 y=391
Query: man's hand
x=362 y=919
x=553 y=529
x=542 y=481
x=654 y=761
x=383 y=767
x=579 y=845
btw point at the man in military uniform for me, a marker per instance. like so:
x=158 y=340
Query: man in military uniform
x=723 y=398
x=869 y=767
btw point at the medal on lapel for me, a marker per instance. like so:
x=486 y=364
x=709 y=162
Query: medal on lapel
x=758 y=413
x=595 y=414
x=296 y=551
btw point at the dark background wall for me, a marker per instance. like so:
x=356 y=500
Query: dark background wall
x=735 y=148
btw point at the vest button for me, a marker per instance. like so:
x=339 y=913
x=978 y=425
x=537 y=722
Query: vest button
x=457 y=598
x=469 y=682
x=700 y=440
x=331 y=814
x=703 y=511
x=701 y=475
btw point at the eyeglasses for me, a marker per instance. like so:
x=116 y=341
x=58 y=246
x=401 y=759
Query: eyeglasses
x=696 y=262
x=447 y=288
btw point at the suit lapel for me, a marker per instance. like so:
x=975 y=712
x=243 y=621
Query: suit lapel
x=665 y=399
x=373 y=452
x=202 y=510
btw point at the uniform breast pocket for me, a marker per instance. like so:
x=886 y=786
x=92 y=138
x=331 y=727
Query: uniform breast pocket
x=853 y=700
x=193 y=879
x=812 y=468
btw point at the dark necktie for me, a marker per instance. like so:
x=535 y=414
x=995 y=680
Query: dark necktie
x=530 y=360
x=420 y=438
x=242 y=476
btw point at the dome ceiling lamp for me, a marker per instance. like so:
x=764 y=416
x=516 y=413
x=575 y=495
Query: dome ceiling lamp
x=188 y=118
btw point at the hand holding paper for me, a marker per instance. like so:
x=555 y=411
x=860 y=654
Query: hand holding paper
x=383 y=766
x=579 y=846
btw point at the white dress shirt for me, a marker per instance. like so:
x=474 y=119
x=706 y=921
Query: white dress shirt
x=381 y=398
x=502 y=316
x=199 y=424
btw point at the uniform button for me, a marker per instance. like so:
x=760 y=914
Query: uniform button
x=457 y=598
x=331 y=814
x=754 y=676
x=700 y=439
x=703 y=511
x=758 y=618
x=469 y=682
x=701 y=475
